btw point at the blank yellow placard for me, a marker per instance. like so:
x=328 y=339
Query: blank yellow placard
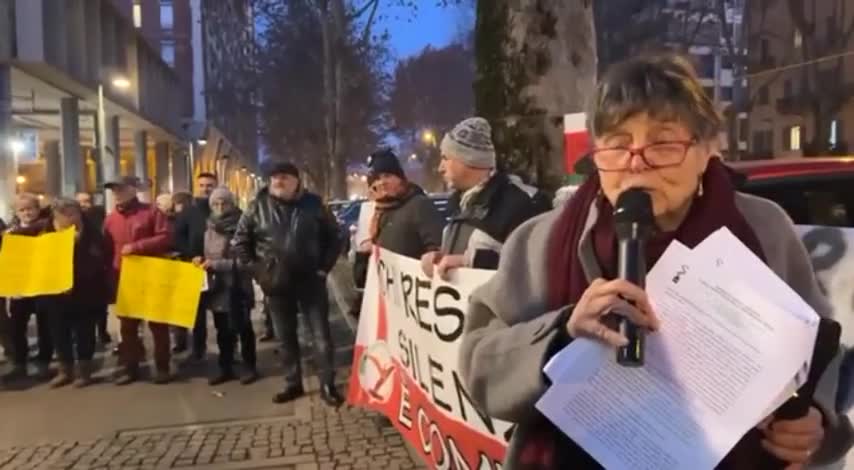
x=42 y=265
x=159 y=290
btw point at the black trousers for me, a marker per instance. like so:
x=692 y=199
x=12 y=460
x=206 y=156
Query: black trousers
x=311 y=298
x=229 y=327
x=268 y=319
x=73 y=330
x=200 y=331
x=5 y=329
x=103 y=313
x=20 y=311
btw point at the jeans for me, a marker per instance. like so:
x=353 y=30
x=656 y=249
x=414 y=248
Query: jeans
x=311 y=298
x=131 y=349
x=73 y=328
x=20 y=311
x=230 y=326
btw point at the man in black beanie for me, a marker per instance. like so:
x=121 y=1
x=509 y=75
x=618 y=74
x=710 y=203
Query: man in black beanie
x=289 y=240
x=405 y=220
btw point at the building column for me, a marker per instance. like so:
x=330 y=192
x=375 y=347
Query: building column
x=53 y=168
x=163 y=172
x=109 y=162
x=72 y=160
x=8 y=166
x=180 y=172
x=140 y=163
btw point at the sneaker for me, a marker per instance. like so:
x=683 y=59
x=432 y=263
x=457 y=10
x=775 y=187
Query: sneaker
x=290 y=394
x=267 y=338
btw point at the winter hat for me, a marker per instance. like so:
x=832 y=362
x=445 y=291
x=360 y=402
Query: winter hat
x=384 y=161
x=222 y=194
x=471 y=143
x=282 y=168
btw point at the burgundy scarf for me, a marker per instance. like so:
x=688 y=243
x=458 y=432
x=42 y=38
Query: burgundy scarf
x=714 y=209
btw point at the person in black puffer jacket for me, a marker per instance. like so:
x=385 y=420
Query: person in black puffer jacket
x=289 y=240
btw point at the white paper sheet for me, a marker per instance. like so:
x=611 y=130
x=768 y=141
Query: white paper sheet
x=724 y=355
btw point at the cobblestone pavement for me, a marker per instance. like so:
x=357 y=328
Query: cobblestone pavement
x=182 y=425
x=315 y=437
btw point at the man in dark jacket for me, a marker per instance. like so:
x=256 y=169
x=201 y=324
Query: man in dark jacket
x=405 y=221
x=191 y=223
x=136 y=228
x=290 y=240
x=94 y=216
x=486 y=205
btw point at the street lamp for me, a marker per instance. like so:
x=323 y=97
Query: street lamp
x=121 y=83
x=16 y=146
x=108 y=168
x=21 y=179
x=429 y=137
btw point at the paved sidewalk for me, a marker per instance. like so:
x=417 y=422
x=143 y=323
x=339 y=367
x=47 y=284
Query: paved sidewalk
x=189 y=424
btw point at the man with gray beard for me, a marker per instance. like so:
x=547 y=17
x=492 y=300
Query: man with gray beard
x=289 y=240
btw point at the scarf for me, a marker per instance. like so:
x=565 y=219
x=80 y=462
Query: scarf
x=225 y=223
x=128 y=206
x=387 y=204
x=547 y=447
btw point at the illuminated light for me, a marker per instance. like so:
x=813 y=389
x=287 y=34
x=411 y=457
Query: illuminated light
x=21 y=179
x=364 y=179
x=122 y=83
x=202 y=142
x=16 y=145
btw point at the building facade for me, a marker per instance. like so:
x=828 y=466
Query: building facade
x=83 y=98
x=800 y=78
x=209 y=44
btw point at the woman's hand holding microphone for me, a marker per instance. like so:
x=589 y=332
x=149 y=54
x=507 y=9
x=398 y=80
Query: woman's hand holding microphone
x=604 y=297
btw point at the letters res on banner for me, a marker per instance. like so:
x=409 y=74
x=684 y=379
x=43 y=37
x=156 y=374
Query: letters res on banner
x=405 y=364
x=159 y=290
x=32 y=266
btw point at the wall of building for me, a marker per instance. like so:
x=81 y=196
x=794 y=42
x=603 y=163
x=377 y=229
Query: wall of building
x=789 y=70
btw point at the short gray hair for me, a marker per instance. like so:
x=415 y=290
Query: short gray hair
x=65 y=205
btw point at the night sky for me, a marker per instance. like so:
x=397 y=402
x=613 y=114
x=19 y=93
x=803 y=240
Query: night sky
x=411 y=30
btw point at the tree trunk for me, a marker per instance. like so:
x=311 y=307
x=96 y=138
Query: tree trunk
x=338 y=167
x=536 y=62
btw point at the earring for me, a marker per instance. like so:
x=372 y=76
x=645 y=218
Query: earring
x=700 y=189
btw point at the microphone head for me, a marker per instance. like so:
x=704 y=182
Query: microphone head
x=634 y=206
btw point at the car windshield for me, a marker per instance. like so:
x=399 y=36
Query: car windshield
x=811 y=200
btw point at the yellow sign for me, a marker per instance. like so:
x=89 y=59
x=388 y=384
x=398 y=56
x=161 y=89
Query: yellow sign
x=42 y=265
x=159 y=290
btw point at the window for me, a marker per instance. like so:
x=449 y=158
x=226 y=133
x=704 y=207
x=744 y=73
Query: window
x=167 y=52
x=763 y=142
x=726 y=93
x=167 y=15
x=137 y=15
x=707 y=66
x=798 y=39
x=743 y=128
x=831 y=30
x=793 y=137
x=763 y=95
x=787 y=89
x=813 y=200
x=764 y=51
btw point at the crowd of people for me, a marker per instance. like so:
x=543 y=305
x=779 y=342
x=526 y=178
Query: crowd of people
x=652 y=126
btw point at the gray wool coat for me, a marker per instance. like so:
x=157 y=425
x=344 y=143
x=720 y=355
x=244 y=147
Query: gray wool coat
x=509 y=330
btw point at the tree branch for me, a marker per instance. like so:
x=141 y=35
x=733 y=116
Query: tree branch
x=361 y=11
x=366 y=34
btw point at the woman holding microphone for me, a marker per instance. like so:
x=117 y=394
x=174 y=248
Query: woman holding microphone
x=654 y=128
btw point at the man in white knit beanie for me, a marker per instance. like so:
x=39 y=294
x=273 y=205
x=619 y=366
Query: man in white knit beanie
x=486 y=205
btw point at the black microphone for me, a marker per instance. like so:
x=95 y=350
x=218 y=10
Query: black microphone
x=634 y=223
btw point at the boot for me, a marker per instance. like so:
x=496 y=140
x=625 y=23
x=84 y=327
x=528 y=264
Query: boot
x=250 y=377
x=291 y=393
x=128 y=375
x=64 y=377
x=268 y=336
x=329 y=395
x=224 y=375
x=84 y=374
x=162 y=376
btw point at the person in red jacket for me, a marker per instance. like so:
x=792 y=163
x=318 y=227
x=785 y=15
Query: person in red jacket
x=136 y=228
